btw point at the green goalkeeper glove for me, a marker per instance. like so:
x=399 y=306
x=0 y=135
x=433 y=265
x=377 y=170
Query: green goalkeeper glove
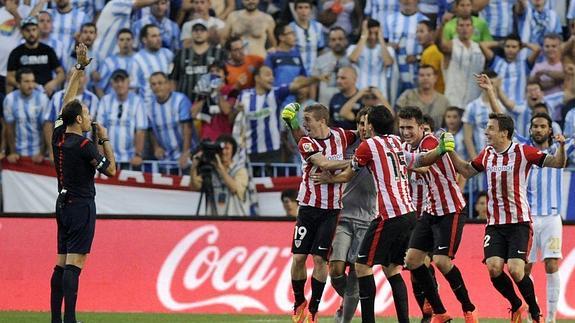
x=289 y=115
x=446 y=143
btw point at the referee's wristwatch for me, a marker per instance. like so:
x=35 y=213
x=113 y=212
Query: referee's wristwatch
x=80 y=67
x=101 y=141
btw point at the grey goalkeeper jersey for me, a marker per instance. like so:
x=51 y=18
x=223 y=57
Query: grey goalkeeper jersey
x=360 y=195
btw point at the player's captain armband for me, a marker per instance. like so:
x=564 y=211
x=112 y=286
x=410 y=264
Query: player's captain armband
x=103 y=164
x=307 y=147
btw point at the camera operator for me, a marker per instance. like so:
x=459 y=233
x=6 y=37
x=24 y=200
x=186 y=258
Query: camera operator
x=229 y=180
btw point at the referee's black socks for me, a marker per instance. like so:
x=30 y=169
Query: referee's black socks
x=504 y=285
x=70 y=284
x=339 y=283
x=56 y=294
x=458 y=286
x=528 y=292
x=367 y=298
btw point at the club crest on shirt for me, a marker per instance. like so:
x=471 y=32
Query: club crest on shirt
x=307 y=147
x=297 y=243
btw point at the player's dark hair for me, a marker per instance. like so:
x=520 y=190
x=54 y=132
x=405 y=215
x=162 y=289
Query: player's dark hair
x=411 y=112
x=71 y=111
x=124 y=31
x=431 y=26
x=362 y=112
x=319 y=111
x=88 y=25
x=372 y=23
x=290 y=194
x=381 y=120
x=145 y=30
x=22 y=71
x=228 y=139
x=505 y=123
x=428 y=120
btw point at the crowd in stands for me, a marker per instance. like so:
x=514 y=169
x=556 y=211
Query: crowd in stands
x=166 y=74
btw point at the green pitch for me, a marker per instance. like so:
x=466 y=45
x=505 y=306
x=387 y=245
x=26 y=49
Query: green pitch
x=30 y=317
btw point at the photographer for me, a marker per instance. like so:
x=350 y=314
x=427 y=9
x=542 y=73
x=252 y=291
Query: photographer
x=229 y=181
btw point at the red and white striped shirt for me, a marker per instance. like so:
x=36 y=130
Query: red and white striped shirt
x=507 y=175
x=419 y=192
x=443 y=194
x=388 y=163
x=324 y=196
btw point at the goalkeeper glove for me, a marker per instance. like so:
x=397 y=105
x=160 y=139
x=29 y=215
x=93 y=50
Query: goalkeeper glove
x=446 y=143
x=289 y=115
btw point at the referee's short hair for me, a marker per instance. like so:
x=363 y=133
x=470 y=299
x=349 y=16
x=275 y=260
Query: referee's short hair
x=319 y=111
x=505 y=123
x=71 y=111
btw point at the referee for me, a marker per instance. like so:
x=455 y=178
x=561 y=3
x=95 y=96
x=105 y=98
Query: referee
x=76 y=159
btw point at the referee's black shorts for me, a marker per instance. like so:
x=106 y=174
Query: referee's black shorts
x=76 y=219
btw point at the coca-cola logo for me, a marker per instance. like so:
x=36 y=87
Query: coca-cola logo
x=210 y=269
x=198 y=274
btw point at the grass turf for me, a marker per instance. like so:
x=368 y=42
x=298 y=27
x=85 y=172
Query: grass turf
x=30 y=317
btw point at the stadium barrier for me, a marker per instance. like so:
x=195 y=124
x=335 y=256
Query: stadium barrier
x=217 y=266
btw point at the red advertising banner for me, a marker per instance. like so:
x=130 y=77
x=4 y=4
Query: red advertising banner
x=215 y=267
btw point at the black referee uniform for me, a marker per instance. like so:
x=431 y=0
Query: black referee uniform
x=76 y=159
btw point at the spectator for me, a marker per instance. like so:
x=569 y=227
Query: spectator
x=464 y=9
x=67 y=21
x=346 y=83
x=122 y=60
x=380 y=9
x=536 y=20
x=428 y=124
x=308 y=32
x=56 y=104
x=463 y=59
x=239 y=66
x=513 y=68
x=346 y=12
x=214 y=103
x=229 y=179
x=114 y=17
x=431 y=54
x=253 y=25
x=122 y=112
x=158 y=16
x=370 y=57
x=201 y=10
x=549 y=72
x=481 y=206
x=171 y=121
x=39 y=57
x=24 y=110
x=329 y=64
x=261 y=111
x=289 y=202
x=193 y=62
x=366 y=97
x=498 y=14
x=150 y=59
x=11 y=15
x=425 y=96
x=88 y=35
x=223 y=8
x=285 y=62
x=453 y=122
x=47 y=36
x=475 y=119
x=92 y=8
x=400 y=30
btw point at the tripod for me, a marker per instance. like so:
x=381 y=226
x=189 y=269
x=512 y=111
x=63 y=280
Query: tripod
x=207 y=194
